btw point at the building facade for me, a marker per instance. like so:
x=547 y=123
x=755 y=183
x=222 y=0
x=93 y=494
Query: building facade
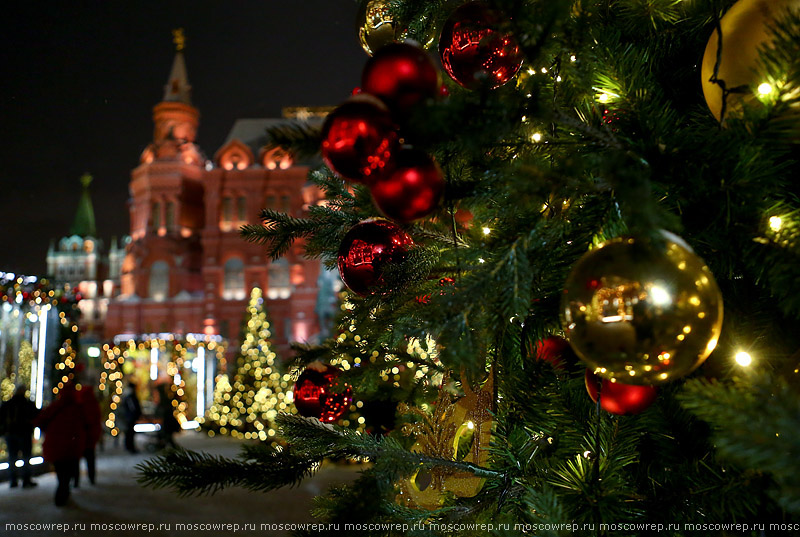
x=186 y=269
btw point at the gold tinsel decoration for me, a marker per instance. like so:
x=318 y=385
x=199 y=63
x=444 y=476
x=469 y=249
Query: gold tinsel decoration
x=439 y=435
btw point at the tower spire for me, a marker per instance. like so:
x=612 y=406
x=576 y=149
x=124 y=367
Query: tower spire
x=178 y=88
x=83 y=225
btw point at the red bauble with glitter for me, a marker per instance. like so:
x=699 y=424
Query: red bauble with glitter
x=365 y=252
x=317 y=394
x=401 y=75
x=619 y=398
x=411 y=189
x=358 y=138
x=474 y=49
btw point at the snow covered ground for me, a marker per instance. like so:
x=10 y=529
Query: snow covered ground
x=117 y=502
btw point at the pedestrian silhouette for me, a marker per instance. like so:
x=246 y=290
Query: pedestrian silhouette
x=16 y=419
x=91 y=412
x=131 y=412
x=166 y=413
x=65 y=431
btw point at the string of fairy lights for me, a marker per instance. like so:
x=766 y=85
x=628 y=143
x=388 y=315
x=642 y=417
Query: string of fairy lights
x=354 y=350
x=66 y=364
x=120 y=365
x=32 y=299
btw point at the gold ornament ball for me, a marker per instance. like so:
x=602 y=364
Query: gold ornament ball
x=377 y=27
x=641 y=312
x=744 y=30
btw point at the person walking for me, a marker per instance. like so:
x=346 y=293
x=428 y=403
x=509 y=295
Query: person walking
x=166 y=413
x=16 y=419
x=65 y=430
x=91 y=412
x=131 y=412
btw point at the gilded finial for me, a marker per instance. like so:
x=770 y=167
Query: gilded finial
x=179 y=39
x=86 y=179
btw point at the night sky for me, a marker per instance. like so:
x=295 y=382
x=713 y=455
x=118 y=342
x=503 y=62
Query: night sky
x=80 y=80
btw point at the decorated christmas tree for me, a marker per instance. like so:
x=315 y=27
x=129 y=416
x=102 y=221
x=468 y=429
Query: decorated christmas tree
x=594 y=220
x=247 y=406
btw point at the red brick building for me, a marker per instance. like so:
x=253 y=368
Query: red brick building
x=186 y=269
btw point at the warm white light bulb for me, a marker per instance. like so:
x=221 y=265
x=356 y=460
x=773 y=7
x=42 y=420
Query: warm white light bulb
x=660 y=296
x=536 y=137
x=765 y=89
x=743 y=358
x=486 y=230
x=775 y=223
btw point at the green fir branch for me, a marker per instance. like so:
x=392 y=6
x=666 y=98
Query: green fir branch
x=191 y=473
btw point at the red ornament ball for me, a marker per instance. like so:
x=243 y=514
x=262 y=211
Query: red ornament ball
x=473 y=49
x=464 y=218
x=358 y=138
x=365 y=252
x=316 y=394
x=619 y=398
x=401 y=75
x=554 y=350
x=411 y=189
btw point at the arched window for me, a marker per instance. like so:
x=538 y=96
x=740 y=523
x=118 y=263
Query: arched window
x=159 y=280
x=280 y=285
x=241 y=209
x=226 y=214
x=155 y=217
x=233 y=284
x=170 y=216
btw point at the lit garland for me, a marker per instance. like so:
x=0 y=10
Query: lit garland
x=247 y=407
x=21 y=376
x=32 y=297
x=65 y=367
x=37 y=293
x=354 y=350
x=119 y=360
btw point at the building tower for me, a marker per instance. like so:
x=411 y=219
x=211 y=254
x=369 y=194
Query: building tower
x=166 y=209
x=80 y=262
x=186 y=269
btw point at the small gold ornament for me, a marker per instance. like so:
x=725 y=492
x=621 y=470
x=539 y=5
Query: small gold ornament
x=465 y=425
x=642 y=313
x=744 y=31
x=377 y=27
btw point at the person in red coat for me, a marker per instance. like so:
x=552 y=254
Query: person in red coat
x=65 y=431
x=91 y=412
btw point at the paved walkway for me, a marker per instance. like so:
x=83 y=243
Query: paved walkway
x=119 y=499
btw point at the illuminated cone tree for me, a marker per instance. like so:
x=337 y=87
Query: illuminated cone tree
x=247 y=405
